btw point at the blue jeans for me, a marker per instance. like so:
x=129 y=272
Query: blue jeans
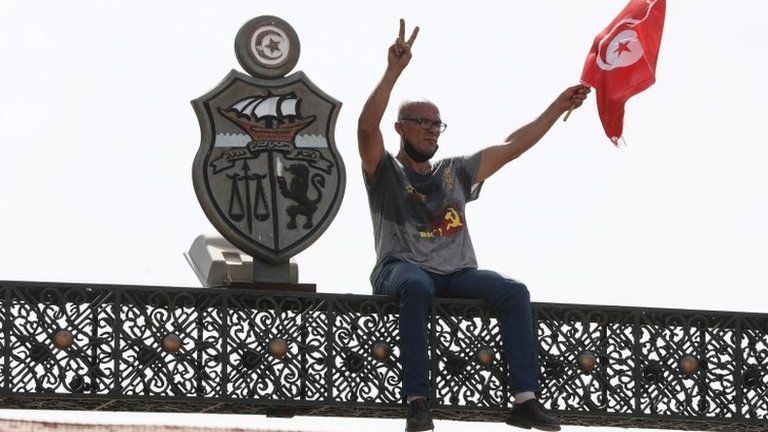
x=416 y=288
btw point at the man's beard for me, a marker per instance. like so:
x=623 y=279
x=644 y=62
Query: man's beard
x=416 y=155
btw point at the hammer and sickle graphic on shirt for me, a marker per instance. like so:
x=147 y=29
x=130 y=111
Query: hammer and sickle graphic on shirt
x=453 y=218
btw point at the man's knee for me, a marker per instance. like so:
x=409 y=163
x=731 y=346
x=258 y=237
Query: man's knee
x=514 y=291
x=417 y=287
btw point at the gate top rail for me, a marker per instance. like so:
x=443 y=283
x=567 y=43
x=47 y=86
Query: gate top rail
x=363 y=297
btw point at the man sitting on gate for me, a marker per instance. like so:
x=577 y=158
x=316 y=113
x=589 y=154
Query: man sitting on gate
x=422 y=242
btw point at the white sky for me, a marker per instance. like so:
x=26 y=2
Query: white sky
x=98 y=138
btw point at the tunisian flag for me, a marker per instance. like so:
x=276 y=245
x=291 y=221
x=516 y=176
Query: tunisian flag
x=622 y=62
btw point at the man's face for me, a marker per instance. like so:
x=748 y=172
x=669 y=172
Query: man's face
x=423 y=140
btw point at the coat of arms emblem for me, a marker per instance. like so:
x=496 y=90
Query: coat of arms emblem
x=267 y=173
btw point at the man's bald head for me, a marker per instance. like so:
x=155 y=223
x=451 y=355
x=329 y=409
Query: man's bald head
x=407 y=106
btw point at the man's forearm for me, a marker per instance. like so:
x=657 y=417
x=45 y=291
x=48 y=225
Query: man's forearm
x=519 y=141
x=370 y=142
x=373 y=110
x=527 y=136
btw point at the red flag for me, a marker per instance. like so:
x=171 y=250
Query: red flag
x=622 y=62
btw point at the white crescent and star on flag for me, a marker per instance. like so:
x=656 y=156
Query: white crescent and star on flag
x=620 y=47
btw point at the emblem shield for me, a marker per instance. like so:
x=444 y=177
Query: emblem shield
x=267 y=174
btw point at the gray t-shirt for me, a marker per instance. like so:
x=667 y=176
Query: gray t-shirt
x=419 y=218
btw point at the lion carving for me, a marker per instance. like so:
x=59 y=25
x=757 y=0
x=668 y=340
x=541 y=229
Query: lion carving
x=298 y=191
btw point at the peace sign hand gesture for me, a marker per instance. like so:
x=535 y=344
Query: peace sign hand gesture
x=399 y=54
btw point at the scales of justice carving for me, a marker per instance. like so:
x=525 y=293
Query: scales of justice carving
x=267 y=173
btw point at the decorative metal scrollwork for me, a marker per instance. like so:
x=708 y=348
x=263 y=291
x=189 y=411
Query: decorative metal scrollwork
x=75 y=346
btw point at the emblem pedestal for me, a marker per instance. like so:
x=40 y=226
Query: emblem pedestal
x=285 y=272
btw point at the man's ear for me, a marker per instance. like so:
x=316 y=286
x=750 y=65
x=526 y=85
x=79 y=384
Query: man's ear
x=399 y=128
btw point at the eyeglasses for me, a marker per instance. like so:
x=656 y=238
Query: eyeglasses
x=428 y=124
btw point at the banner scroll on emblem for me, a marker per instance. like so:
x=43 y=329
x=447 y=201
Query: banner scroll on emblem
x=267 y=174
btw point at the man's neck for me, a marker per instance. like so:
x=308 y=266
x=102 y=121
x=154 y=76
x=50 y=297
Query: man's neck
x=417 y=167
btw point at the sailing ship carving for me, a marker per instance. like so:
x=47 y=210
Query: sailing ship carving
x=270 y=118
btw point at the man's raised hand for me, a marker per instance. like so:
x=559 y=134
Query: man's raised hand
x=399 y=54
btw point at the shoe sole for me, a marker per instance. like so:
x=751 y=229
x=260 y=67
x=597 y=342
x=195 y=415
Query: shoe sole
x=546 y=428
x=422 y=429
x=522 y=424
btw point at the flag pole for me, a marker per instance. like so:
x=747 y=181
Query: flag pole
x=568 y=114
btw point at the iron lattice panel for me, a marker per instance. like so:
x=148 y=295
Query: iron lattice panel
x=34 y=315
x=357 y=375
x=98 y=347
x=752 y=367
x=564 y=336
x=665 y=339
x=253 y=322
x=464 y=332
x=146 y=318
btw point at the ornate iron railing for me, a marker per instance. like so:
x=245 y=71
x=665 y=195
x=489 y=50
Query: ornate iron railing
x=138 y=348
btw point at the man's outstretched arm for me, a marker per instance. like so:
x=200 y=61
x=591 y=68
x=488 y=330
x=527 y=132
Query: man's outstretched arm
x=495 y=157
x=370 y=142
